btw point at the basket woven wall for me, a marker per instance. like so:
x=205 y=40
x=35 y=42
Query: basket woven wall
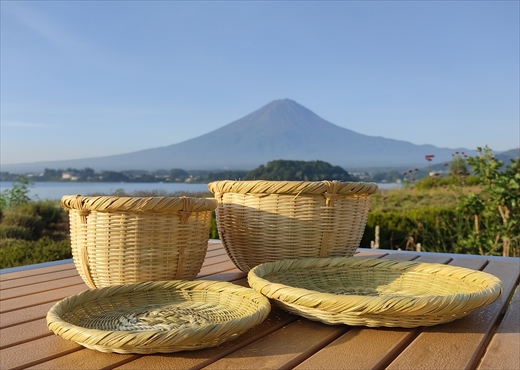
x=122 y=240
x=264 y=221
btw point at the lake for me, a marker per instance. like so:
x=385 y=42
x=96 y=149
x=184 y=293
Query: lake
x=55 y=190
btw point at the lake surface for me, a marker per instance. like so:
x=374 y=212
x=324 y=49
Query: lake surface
x=56 y=190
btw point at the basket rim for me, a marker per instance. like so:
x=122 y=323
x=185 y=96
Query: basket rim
x=362 y=304
x=137 y=204
x=58 y=325
x=292 y=187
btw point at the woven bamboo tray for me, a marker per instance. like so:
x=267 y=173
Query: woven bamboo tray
x=264 y=221
x=374 y=292
x=122 y=240
x=158 y=316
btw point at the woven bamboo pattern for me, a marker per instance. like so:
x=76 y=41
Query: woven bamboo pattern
x=122 y=240
x=374 y=292
x=264 y=221
x=152 y=317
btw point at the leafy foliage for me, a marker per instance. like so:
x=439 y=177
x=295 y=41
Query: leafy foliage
x=31 y=231
x=454 y=217
x=496 y=209
x=17 y=252
x=18 y=194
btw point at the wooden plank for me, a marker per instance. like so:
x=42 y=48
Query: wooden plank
x=231 y=275
x=504 y=350
x=216 y=259
x=38 y=287
x=401 y=256
x=433 y=259
x=23 y=333
x=215 y=246
x=36 y=271
x=360 y=348
x=468 y=262
x=25 y=314
x=459 y=344
x=15 y=283
x=227 y=266
x=215 y=252
x=86 y=359
x=39 y=298
x=284 y=348
x=36 y=351
x=373 y=253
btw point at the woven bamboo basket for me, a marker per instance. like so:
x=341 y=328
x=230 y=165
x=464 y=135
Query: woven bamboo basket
x=264 y=221
x=157 y=317
x=122 y=240
x=374 y=292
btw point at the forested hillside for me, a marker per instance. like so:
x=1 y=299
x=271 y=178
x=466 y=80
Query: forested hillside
x=299 y=171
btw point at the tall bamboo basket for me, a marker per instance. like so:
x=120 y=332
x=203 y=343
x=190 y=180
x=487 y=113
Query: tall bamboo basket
x=264 y=221
x=123 y=240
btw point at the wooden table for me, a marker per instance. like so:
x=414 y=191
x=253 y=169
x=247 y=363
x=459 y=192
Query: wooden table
x=488 y=338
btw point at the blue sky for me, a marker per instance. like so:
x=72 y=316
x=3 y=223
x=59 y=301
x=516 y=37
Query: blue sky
x=93 y=78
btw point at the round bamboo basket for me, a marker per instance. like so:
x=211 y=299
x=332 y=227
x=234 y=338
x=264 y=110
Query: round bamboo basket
x=374 y=292
x=122 y=240
x=263 y=221
x=159 y=316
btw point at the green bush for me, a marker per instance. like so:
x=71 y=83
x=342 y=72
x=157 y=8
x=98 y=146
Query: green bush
x=32 y=232
x=50 y=211
x=22 y=252
x=15 y=232
x=440 y=182
x=437 y=229
x=20 y=218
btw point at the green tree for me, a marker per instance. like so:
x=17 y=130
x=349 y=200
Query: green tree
x=112 y=176
x=178 y=174
x=52 y=175
x=87 y=174
x=17 y=195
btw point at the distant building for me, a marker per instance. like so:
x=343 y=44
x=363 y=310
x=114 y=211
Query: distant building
x=68 y=176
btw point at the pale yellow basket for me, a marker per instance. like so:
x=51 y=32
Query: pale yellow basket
x=155 y=317
x=374 y=292
x=263 y=221
x=122 y=240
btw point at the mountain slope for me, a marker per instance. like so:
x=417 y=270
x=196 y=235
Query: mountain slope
x=282 y=129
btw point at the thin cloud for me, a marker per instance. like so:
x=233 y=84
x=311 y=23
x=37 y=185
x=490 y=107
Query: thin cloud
x=28 y=125
x=43 y=26
x=64 y=40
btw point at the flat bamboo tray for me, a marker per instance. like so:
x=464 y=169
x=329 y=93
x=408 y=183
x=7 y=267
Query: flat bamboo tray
x=158 y=316
x=374 y=292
